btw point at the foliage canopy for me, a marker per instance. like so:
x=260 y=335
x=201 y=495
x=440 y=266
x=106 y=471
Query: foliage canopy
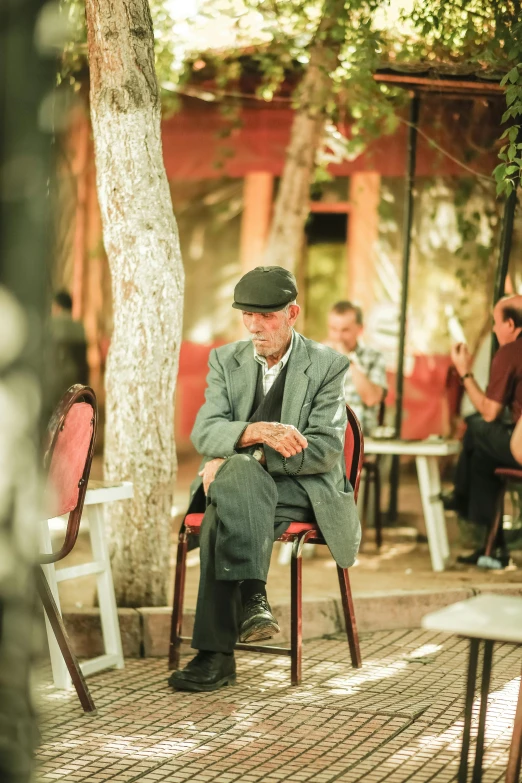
x=269 y=42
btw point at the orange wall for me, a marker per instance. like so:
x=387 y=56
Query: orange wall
x=192 y=147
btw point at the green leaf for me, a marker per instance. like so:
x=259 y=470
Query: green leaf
x=513 y=75
x=499 y=171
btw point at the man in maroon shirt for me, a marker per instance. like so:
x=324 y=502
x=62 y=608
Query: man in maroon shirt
x=486 y=442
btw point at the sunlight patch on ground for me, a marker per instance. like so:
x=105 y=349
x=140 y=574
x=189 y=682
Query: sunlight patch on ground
x=371 y=672
x=424 y=651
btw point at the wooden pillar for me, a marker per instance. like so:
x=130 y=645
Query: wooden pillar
x=257 y=213
x=82 y=134
x=93 y=279
x=363 y=222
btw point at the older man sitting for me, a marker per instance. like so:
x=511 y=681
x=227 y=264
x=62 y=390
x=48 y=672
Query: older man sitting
x=271 y=435
x=486 y=444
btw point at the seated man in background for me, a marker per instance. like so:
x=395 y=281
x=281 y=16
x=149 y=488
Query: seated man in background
x=70 y=341
x=69 y=347
x=365 y=381
x=486 y=444
x=271 y=434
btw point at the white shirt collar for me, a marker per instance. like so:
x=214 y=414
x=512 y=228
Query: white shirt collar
x=281 y=363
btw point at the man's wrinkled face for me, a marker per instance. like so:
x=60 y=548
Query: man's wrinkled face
x=271 y=332
x=344 y=329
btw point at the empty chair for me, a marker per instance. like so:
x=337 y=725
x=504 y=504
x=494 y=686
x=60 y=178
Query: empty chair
x=68 y=456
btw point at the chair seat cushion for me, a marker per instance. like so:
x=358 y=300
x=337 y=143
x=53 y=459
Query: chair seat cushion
x=509 y=473
x=193 y=523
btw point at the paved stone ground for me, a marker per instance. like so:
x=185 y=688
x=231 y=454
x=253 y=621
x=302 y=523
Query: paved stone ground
x=397 y=719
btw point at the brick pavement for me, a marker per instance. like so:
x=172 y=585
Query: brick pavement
x=397 y=719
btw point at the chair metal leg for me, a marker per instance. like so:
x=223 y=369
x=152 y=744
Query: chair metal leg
x=377 y=504
x=515 y=750
x=349 y=617
x=177 y=605
x=468 y=709
x=484 y=691
x=495 y=527
x=296 y=613
x=56 y=622
x=368 y=483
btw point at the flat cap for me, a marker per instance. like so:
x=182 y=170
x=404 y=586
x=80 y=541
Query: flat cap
x=265 y=289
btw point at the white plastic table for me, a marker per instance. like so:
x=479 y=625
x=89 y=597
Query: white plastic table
x=483 y=619
x=98 y=493
x=427 y=454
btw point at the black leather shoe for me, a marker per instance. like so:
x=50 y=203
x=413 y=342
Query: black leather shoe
x=470 y=559
x=257 y=622
x=208 y=671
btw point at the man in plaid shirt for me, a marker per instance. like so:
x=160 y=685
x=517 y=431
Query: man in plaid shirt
x=365 y=381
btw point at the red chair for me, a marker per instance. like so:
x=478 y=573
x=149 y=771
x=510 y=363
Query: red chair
x=71 y=435
x=299 y=533
x=506 y=475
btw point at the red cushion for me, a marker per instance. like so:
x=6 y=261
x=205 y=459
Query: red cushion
x=511 y=473
x=69 y=457
x=193 y=521
x=301 y=527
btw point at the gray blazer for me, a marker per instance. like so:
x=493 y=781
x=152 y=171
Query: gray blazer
x=314 y=403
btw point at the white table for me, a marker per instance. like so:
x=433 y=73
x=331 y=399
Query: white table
x=483 y=619
x=427 y=454
x=98 y=493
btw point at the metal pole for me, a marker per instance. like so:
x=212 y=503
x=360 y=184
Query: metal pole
x=506 y=239
x=406 y=253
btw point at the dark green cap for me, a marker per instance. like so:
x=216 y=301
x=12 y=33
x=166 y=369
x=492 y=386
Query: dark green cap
x=265 y=289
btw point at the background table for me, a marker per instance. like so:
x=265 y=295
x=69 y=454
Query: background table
x=427 y=454
x=98 y=493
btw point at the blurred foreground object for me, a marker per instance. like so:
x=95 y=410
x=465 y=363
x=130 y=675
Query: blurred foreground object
x=484 y=620
x=19 y=411
x=28 y=40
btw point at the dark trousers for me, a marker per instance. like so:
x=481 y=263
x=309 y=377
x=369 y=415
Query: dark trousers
x=485 y=447
x=247 y=512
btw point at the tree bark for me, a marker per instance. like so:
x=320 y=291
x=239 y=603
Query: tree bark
x=142 y=245
x=315 y=91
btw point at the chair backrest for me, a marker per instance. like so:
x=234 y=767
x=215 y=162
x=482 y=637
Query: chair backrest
x=71 y=435
x=353 y=450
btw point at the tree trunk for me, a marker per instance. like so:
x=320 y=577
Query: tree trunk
x=291 y=209
x=142 y=245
